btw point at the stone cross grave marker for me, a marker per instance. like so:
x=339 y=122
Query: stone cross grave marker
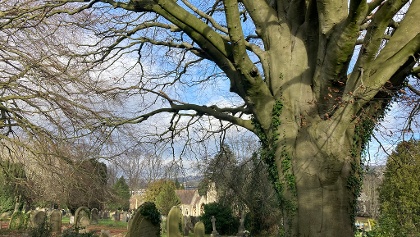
x=213 y=224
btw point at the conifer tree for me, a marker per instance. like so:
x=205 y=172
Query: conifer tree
x=400 y=192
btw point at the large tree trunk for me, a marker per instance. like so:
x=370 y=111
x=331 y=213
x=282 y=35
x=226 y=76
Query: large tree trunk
x=317 y=154
x=318 y=177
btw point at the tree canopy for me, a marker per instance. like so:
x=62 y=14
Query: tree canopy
x=87 y=185
x=162 y=193
x=309 y=78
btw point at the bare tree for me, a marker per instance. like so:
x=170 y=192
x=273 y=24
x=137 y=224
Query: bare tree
x=140 y=168
x=46 y=91
x=48 y=101
x=309 y=78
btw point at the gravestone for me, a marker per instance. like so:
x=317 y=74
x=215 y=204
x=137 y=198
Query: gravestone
x=124 y=216
x=116 y=216
x=81 y=218
x=84 y=222
x=140 y=226
x=199 y=229
x=187 y=225
x=241 y=229
x=214 y=233
x=94 y=216
x=106 y=215
x=37 y=219
x=55 y=221
x=174 y=222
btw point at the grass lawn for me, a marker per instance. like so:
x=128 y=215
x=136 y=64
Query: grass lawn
x=111 y=223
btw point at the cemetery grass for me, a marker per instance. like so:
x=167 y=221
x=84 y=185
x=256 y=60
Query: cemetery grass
x=115 y=228
x=103 y=222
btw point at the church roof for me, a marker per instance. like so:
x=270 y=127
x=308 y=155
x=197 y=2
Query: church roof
x=186 y=196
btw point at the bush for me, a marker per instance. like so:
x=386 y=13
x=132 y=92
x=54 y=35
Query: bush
x=226 y=223
x=150 y=212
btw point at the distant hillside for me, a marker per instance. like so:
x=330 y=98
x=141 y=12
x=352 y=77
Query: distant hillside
x=191 y=182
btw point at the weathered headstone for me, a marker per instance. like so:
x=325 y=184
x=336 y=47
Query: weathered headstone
x=55 y=221
x=37 y=219
x=81 y=218
x=199 y=229
x=94 y=216
x=140 y=226
x=174 y=222
x=187 y=225
x=124 y=216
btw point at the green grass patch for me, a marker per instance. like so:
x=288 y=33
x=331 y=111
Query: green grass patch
x=102 y=222
x=111 y=223
x=65 y=220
